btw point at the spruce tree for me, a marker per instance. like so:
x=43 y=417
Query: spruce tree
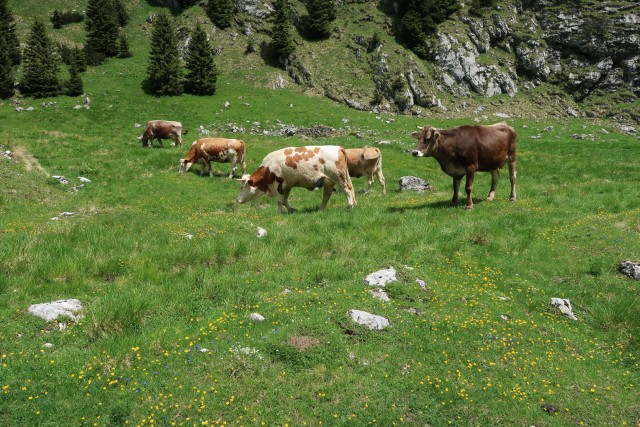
x=202 y=75
x=321 y=14
x=6 y=72
x=41 y=65
x=122 y=14
x=123 y=47
x=164 y=70
x=102 y=30
x=281 y=38
x=220 y=12
x=74 y=85
x=8 y=33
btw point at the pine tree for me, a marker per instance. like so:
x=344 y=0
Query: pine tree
x=202 y=75
x=281 y=38
x=74 y=85
x=9 y=34
x=123 y=47
x=122 y=14
x=420 y=18
x=164 y=70
x=220 y=12
x=102 y=30
x=6 y=72
x=321 y=14
x=41 y=65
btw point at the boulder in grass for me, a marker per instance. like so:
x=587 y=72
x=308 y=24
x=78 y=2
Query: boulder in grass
x=631 y=269
x=381 y=277
x=52 y=310
x=564 y=305
x=371 y=321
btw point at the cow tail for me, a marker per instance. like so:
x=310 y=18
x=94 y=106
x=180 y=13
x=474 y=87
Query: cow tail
x=242 y=156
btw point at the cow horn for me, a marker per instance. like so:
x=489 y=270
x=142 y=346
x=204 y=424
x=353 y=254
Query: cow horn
x=419 y=127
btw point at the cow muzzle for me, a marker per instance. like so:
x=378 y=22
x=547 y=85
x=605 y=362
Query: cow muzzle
x=417 y=153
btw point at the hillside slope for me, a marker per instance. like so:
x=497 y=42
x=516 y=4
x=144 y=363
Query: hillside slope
x=534 y=59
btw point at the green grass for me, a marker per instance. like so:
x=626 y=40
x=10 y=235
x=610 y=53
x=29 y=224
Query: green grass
x=481 y=346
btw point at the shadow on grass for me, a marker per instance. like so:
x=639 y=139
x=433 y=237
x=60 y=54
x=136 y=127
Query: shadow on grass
x=441 y=204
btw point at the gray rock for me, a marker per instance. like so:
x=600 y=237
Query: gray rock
x=256 y=317
x=381 y=277
x=564 y=305
x=52 y=310
x=371 y=321
x=413 y=183
x=631 y=269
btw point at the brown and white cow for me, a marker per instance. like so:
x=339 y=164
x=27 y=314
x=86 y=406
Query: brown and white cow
x=465 y=150
x=221 y=150
x=366 y=161
x=162 y=129
x=307 y=167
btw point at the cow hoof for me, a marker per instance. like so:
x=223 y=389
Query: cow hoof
x=512 y=199
x=468 y=208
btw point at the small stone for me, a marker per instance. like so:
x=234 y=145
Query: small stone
x=256 y=317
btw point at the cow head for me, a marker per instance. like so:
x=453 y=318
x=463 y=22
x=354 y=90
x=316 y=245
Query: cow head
x=427 y=137
x=184 y=165
x=248 y=190
x=144 y=138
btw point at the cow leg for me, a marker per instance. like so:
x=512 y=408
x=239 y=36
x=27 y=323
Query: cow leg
x=512 y=177
x=283 y=200
x=234 y=166
x=469 y=188
x=456 y=189
x=381 y=179
x=327 y=191
x=369 y=183
x=495 y=176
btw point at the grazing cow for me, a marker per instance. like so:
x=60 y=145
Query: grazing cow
x=162 y=129
x=306 y=167
x=221 y=150
x=366 y=161
x=466 y=150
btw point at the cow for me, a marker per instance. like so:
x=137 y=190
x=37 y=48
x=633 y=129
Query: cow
x=308 y=167
x=162 y=129
x=366 y=161
x=222 y=150
x=465 y=150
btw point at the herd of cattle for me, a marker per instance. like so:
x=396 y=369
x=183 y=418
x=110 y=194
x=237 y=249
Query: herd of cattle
x=461 y=151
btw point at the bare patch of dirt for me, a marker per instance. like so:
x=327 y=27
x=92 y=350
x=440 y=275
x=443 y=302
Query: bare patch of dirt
x=28 y=161
x=303 y=342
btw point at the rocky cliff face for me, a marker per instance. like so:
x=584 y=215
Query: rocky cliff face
x=520 y=44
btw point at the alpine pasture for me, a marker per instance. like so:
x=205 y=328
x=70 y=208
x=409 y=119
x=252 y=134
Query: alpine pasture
x=169 y=267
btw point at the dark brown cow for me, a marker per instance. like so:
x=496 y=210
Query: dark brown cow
x=466 y=150
x=222 y=150
x=162 y=129
x=366 y=162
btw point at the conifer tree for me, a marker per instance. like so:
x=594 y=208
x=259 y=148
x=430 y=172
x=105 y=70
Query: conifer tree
x=420 y=18
x=74 y=85
x=102 y=30
x=202 y=75
x=6 y=72
x=123 y=47
x=282 y=40
x=220 y=12
x=122 y=14
x=321 y=14
x=8 y=33
x=41 y=65
x=164 y=70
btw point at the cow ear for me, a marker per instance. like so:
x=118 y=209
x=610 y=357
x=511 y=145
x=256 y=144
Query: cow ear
x=415 y=134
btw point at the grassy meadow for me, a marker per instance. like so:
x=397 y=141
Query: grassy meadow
x=169 y=268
